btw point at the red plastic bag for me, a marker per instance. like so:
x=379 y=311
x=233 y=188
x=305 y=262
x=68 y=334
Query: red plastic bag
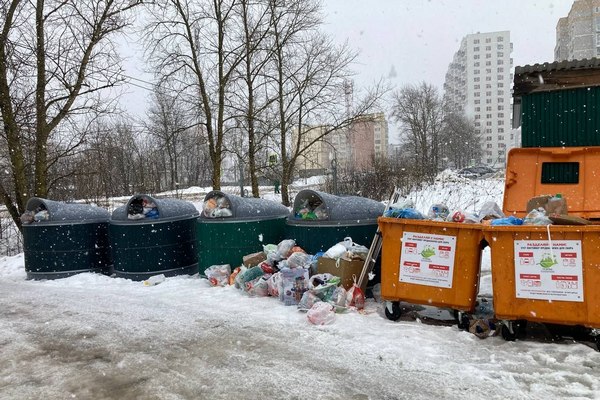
x=355 y=297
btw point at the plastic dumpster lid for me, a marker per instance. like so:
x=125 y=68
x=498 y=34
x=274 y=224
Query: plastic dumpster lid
x=168 y=209
x=538 y=171
x=349 y=209
x=60 y=212
x=247 y=208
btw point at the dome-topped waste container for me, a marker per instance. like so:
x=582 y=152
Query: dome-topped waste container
x=320 y=220
x=154 y=236
x=231 y=227
x=62 y=239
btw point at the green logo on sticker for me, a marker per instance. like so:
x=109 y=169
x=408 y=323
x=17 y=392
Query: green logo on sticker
x=548 y=261
x=427 y=252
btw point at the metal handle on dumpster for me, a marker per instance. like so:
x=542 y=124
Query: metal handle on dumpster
x=562 y=151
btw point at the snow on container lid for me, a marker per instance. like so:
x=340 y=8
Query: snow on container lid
x=311 y=206
x=142 y=208
x=50 y=212
x=219 y=206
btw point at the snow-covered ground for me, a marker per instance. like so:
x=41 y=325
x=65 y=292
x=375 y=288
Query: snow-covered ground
x=95 y=337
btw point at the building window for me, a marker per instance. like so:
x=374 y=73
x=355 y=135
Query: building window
x=500 y=100
x=488 y=123
x=477 y=124
x=500 y=92
x=488 y=63
x=500 y=108
x=488 y=101
x=597 y=20
x=488 y=85
x=500 y=130
x=476 y=87
x=477 y=109
x=476 y=57
x=500 y=47
x=488 y=116
x=476 y=72
x=500 y=122
x=476 y=48
x=597 y=51
x=488 y=78
x=500 y=115
x=488 y=55
x=500 y=84
x=500 y=39
x=500 y=137
x=489 y=160
x=500 y=62
x=476 y=101
x=477 y=116
x=476 y=41
x=476 y=64
x=489 y=138
x=500 y=69
x=488 y=108
x=488 y=70
x=488 y=93
x=499 y=77
x=476 y=94
x=488 y=40
x=476 y=79
x=489 y=146
x=488 y=48
x=500 y=54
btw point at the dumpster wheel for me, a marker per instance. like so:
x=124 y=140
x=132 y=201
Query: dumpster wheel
x=462 y=320
x=508 y=331
x=512 y=329
x=392 y=310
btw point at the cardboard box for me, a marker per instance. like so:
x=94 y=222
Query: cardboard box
x=548 y=203
x=345 y=269
x=254 y=259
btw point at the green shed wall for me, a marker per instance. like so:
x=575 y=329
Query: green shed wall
x=569 y=118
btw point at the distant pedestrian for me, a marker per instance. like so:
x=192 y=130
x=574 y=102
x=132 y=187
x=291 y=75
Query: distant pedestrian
x=276 y=184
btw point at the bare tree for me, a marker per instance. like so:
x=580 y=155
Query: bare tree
x=193 y=48
x=166 y=125
x=56 y=59
x=419 y=111
x=309 y=75
x=461 y=143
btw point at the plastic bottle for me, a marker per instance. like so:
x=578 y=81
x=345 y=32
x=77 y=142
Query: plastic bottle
x=154 y=280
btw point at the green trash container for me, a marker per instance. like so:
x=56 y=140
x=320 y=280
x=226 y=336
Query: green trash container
x=64 y=239
x=153 y=236
x=231 y=227
x=320 y=220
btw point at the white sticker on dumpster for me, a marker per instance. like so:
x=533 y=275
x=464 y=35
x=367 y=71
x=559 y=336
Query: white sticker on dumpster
x=427 y=259
x=549 y=270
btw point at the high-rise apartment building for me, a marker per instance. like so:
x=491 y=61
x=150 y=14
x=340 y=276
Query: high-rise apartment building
x=478 y=83
x=578 y=34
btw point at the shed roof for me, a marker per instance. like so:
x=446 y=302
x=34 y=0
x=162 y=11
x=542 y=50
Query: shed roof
x=556 y=76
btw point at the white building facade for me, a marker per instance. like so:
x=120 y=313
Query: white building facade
x=578 y=34
x=478 y=83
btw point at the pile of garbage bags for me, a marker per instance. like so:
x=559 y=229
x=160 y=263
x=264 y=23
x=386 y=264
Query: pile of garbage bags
x=286 y=272
x=544 y=211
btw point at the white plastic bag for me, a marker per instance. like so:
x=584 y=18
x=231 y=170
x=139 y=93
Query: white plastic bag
x=321 y=313
x=218 y=275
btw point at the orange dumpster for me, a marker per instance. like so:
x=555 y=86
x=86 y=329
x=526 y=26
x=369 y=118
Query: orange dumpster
x=429 y=262
x=547 y=274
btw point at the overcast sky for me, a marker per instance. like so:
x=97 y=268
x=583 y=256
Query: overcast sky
x=418 y=38
x=410 y=41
